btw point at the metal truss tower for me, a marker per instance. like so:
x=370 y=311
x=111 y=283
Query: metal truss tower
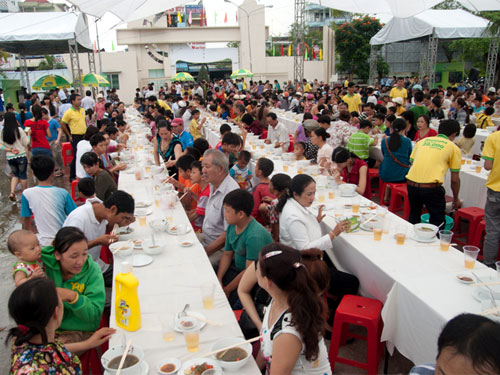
x=298 y=60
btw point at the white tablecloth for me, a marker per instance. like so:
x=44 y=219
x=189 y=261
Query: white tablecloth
x=172 y=280
x=481 y=135
x=472 y=186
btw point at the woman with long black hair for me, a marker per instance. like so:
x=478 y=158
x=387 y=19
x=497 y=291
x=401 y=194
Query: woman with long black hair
x=14 y=141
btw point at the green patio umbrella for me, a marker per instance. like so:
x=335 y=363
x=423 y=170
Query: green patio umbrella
x=182 y=76
x=93 y=80
x=240 y=73
x=51 y=81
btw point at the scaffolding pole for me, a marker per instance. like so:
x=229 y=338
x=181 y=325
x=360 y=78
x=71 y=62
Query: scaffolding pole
x=431 y=60
x=373 y=65
x=92 y=69
x=75 y=64
x=25 y=78
x=298 y=59
x=422 y=67
x=491 y=65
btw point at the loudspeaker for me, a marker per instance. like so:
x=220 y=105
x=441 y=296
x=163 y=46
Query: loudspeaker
x=473 y=74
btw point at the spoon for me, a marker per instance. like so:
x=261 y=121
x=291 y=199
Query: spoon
x=183 y=313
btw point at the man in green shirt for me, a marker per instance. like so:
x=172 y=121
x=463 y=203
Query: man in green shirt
x=418 y=110
x=360 y=143
x=244 y=239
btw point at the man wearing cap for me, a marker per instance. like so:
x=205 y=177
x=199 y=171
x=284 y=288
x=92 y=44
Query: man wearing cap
x=352 y=99
x=399 y=91
x=295 y=103
x=492 y=94
x=431 y=158
x=185 y=137
x=277 y=134
x=398 y=102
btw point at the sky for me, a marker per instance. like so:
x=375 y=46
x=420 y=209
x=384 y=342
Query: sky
x=278 y=18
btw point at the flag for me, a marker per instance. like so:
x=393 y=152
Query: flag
x=169 y=19
x=236 y=16
x=95 y=46
x=201 y=18
x=190 y=19
x=321 y=54
x=282 y=50
x=225 y=17
x=314 y=54
x=289 y=50
x=297 y=50
x=179 y=18
x=305 y=54
x=205 y=16
x=274 y=51
x=215 y=17
x=112 y=45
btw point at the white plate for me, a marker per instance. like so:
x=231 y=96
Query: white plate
x=143 y=204
x=412 y=236
x=143 y=211
x=144 y=369
x=187 y=243
x=141 y=260
x=369 y=226
x=194 y=315
x=169 y=231
x=327 y=207
x=345 y=195
x=198 y=361
x=174 y=361
x=466 y=274
x=480 y=295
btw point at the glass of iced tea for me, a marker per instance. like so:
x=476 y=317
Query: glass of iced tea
x=377 y=230
x=478 y=168
x=167 y=328
x=207 y=296
x=192 y=336
x=331 y=194
x=445 y=239
x=400 y=234
x=321 y=195
x=355 y=205
x=470 y=256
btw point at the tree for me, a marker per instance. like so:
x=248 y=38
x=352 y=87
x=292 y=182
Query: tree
x=352 y=40
x=50 y=63
x=203 y=74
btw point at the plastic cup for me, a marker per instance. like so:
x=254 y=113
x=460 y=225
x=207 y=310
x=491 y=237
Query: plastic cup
x=157 y=199
x=331 y=195
x=470 y=256
x=377 y=231
x=478 y=168
x=445 y=239
x=400 y=234
x=469 y=161
x=355 y=205
x=497 y=264
x=192 y=338
x=167 y=328
x=300 y=170
x=142 y=220
x=285 y=167
x=207 y=296
x=463 y=161
x=321 y=196
x=381 y=211
x=387 y=225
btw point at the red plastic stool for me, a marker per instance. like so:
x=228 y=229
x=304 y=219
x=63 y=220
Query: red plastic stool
x=472 y=214
x=67 y=153
x=91 y=364
x=479 y=233
x=364 y=312
x=399 y=191
x=237 y=314
x=290 y=146
x=373 y=174
x=76 y=199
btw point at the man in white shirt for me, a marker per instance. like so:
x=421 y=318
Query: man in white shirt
x=81 y=148
x=216 y=172
x=88 y=102
x=198 y=90
x=294 y=103
x=277 y=134
x=62 y=96
x=62 y=109
x=150 y=91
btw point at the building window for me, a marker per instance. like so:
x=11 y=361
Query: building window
x=156 y=73
x=114 y=82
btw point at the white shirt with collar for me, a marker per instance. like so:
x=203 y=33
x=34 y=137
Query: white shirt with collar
x=300 y=229
x=214 y=223
x=88 y=103
x=279 y=134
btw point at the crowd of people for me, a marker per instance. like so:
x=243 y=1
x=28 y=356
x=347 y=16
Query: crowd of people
x=266 y=246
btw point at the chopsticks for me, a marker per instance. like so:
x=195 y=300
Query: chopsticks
x=121 y=247
x=124 y=355
x=210 y=322
x=491 y=311
x=369 y=219
x=486 y=283
x=183 y=195
x=169 y=177
x=231 y=346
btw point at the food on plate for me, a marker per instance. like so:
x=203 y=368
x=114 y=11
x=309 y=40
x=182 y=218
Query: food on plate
x=138 y=242
x=173 y=229
x=232 y=355
x=130 y=360
x=198 y=369
x=425 y=229
x=186 y=243
x=168 y=367
x=124 y=248
x=465 y=278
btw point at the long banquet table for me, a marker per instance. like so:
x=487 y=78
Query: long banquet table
x=416 y=282
x=173 y=279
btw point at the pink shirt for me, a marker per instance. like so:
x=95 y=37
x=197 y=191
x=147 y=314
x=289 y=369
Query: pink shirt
x=99 y=110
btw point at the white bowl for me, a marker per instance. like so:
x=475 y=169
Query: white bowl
x=148 y=248
x=117 y=351
x=228 y=341
x=128 y=248
x=425 y=235
x=125 y=233
x=157 y=169
x=288 y=156
x=495 y=289
x=173 y=361
x=303 y=163
x=347 y=188
x=158 y=225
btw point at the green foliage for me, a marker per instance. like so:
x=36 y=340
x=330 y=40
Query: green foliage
x=50 y=63
x=382 y=68
x=203 y=74
x=472 y=50
x=233 y=45
x=352 y=41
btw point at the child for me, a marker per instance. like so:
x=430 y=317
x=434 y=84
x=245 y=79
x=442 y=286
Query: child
x=263 y=170
x=244 y=239
x=86 y=190
x=278 y=186
x=37 y=310
x=299 y=150
x=231 y=142
x=378 y=123
x=183 y=165
x=240 y=171
x=197 y=215
x=54 y=141
x=25 y=247
x=483 y=120
x=466 y=142
x=49 y=204
x=224 y=128
x=195 y=126
x=360 y=143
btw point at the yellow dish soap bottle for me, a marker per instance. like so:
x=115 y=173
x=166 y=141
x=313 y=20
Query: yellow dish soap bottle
x=127 y=308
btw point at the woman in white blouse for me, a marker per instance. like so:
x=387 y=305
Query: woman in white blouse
x=300 y=229
x=325 y=151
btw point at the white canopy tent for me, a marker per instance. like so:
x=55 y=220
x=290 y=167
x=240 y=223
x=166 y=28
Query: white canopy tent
x=46 y=34
x=401 y=8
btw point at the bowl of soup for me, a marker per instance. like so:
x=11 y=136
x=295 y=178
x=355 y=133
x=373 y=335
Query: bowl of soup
x=125 y=233
x=153 y=249
x=110 y=360
x=425 y=231
x=234 y=358
x=122 y=248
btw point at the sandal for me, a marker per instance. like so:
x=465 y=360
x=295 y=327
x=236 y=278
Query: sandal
x=12 y=197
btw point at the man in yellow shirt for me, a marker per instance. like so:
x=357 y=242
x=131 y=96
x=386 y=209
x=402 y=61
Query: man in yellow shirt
x=307 y=86
x=399 y=91
x=491 y=156
x=352 y=99
x=74 y=126
x=195 y=126
x=431 y=158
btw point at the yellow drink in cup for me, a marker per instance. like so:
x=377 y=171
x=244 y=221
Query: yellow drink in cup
x=470 y=256
x=469 y=161
x=192 y=340
x=207 y=296
x=299 y=171
x=445 y=237
x=463 y=161
x=157 y=202
x=142 y=220
x=400 y=238
x=377 y=234
x=331 y=195
x=148 y=169
x=167 y=329
x=208 y=302
x=355 y=208
x=444 y=246
x=478 y=169
x=285 y=168
x=168 y=336
x=469 y=264
x=321 y=196
x=262 y=147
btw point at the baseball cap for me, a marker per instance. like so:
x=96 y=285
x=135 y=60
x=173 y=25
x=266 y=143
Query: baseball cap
x=398 y=101
x=177 y=122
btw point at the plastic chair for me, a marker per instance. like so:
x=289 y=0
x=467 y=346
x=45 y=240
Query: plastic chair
x=373 y=174
x=399 y=192
x=360 y=311
x=290 y=146
x=473 y=215
x=76 y=199
x=67 y=153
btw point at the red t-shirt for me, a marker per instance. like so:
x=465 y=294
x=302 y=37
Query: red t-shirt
x=260 y=191
x=353 y=176
x=430 y=133
x=38 y=133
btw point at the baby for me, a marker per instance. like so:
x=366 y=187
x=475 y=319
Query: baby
x=24 y=245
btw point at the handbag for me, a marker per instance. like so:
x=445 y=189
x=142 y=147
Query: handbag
x=393 y=157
